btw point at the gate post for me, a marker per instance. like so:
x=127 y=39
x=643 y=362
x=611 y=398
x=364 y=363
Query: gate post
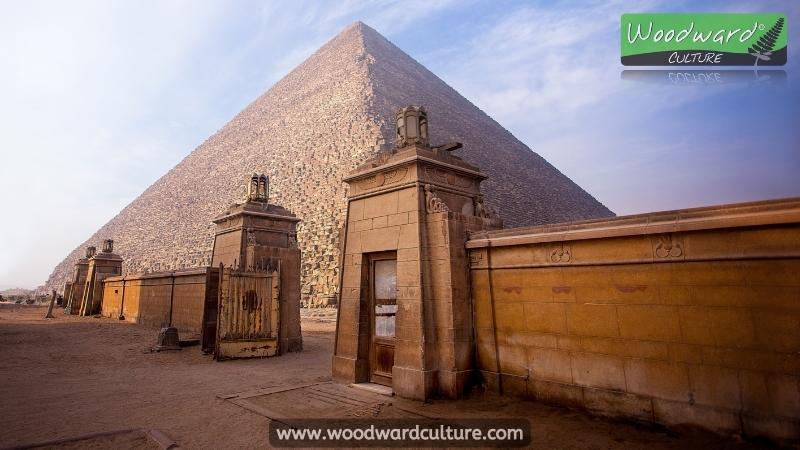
x=418 y=202
x=256 y=233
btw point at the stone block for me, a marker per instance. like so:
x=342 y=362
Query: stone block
x=686 y=353
x=658 y=379
x=618 y=404
x=553 y=393
x=784 y=395
x=361 y=225
x=524 y=339
x=379 y=222
x=715 y=386
x=778 y=330
x=624 y=347
x=773 y=428
x=592 y=320
x=542 y=276
x=412 y=383
x=381 y=205
x=513 y=360
x=598 y=371
x=398 y=219
x=672 y=413
x=408 y=200
x=550 y=364
x=649 y=322
x=731 y=327
x=695 y=327
x=380 y=240
x=545 y=317
x=408 y=237
x=510 y=317
x=356 y=210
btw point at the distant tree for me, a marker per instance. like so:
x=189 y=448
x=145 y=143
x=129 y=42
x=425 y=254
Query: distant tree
x=766 y=43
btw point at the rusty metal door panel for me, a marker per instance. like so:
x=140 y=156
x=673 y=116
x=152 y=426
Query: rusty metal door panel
x=248 y=315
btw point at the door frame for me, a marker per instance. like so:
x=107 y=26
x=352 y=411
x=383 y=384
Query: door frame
x=384 y=378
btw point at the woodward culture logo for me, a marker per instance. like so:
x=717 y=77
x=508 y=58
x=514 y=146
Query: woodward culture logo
x=703 y=39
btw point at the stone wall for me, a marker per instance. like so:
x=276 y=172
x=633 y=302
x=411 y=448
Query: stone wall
x=147 y=299
x=688 y=317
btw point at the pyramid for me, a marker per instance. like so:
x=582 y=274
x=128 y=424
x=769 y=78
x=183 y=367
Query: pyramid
x=311 y=128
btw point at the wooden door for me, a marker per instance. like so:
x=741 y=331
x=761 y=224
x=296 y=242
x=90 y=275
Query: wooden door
x=383 y=311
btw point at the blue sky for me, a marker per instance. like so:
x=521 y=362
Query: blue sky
x=102 y=98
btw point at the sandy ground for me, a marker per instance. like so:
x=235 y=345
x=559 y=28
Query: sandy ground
x=71 y=376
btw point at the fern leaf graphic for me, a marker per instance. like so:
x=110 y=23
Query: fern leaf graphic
x=766 y=43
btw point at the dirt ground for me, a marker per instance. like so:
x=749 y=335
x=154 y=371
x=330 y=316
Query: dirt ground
x=70 y=376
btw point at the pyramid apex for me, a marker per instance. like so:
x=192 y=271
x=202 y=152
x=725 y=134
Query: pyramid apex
x=360 y=28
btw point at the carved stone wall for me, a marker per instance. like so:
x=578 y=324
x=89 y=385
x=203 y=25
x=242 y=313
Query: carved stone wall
x=682 y=318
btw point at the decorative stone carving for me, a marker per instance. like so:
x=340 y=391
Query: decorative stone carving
x=483 y=210
x=412 y=127
x=435 y=174
x=251 y=237
x=395 y=175
x=561 y=254
x=667 y=247
x=475 y=258
x=379 y=179
x=433 y=203
x=293 y=240
x=458 y=181
x=258 y=188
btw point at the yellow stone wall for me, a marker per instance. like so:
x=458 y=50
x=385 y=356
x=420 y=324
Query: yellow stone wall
x=682 y=318
x=147 y=298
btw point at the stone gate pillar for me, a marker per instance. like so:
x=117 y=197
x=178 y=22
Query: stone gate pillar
x=101 y=265
x=74 y=296
x=416 y=205
x=255 y=233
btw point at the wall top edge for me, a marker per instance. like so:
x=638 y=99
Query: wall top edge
x=765 y=212
x=145 y=276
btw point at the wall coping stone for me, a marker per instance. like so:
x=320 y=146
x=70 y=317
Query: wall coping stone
x=766 y=212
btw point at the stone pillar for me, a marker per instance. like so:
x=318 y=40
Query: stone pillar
x=419 y=202
x=74 y=295
x=101 y=266
x=255 y=233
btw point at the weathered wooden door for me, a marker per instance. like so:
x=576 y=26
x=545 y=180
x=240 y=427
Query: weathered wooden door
x=210 y=311
x=383 y=293
x=248 y=320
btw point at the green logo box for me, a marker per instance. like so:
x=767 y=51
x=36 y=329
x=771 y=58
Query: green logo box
x=703 y=39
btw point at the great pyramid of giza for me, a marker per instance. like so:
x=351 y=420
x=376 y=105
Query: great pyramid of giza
x=311 y=128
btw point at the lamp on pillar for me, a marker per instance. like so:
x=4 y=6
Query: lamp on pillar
x=90 y=251
x=258 y=188
x=108 y=246
x=412 y=126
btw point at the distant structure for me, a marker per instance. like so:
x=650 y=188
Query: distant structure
x=100 y=266
x=73 y=289
x=329 y=115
